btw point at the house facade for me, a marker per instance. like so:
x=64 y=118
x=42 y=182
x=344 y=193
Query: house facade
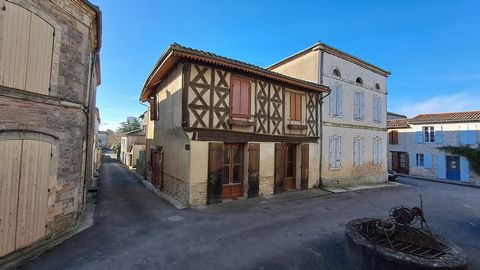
x=131 y=146
x=223 y=129
x=414 y=144
x=353 y=116
x=49 y=71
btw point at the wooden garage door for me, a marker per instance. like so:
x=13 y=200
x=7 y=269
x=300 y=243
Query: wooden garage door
x=24 y=174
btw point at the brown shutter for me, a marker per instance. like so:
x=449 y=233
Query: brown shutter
x=253 y=169
x=292 y=106
x=215 y=166
x=394 y=137
x=153 y=109
x=245 y=98
x=304 y=167
x=279 y=167
x=298 y=107
x=395 y=161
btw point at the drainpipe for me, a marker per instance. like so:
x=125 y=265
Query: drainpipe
x=320 y=117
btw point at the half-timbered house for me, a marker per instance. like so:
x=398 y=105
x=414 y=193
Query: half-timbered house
x=224 y=129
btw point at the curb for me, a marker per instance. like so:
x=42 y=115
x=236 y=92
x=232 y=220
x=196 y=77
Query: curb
x=440 y=181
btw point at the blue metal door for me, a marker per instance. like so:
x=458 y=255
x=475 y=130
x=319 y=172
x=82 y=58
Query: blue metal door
x=453 y=168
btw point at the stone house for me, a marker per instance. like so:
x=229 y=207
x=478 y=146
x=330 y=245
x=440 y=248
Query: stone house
x=353 y=116
x=413 y=145
x=224 y=129
x=49 y=72
x=132 y=145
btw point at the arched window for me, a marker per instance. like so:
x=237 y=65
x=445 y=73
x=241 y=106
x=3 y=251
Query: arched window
x=336 y=73
x=359 y=80
x=377 y=86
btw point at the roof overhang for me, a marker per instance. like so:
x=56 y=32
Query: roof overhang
x=175 y=53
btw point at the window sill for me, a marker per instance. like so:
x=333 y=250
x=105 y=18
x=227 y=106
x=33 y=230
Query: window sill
x=297 y=126
x=241 y=123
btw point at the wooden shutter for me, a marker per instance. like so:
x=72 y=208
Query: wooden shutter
x=279 y=167
x=296 y=106
x=339 y=101
x=236 y=96
x=215 y=168
x=395 y=161
x=338 y=152
x=253 y=169
x=153 y=109
x=245 y=98
x=304 y=166
x=27 y=49
x=10 y=154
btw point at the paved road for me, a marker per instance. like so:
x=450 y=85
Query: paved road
x=134 y=229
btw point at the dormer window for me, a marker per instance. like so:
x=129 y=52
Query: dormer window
x=336 y=73
x=359 y=80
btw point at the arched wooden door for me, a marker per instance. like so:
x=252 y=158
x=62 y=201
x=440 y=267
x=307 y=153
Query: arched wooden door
x=25 y=171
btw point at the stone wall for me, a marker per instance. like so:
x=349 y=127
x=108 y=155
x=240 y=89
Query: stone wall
x=63 y=115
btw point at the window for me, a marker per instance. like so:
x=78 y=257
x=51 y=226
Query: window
x=359 y=106
x=359 y=80
x=393 y=137
x=335 y=152
x=296 y=106
x=232 y=164
x=377 y=151
x=420 y=160
x=240 y=97
x=468 y=135
x=27 y=44
x=336 y=73
x=377 y=86
x=429 y=134
x=153 y=109
x=358 y=151
x=290 y=161
x=336 y=101
x=377 y=109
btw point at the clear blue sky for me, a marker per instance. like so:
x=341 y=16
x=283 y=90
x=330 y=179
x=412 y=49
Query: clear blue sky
x=432 y=47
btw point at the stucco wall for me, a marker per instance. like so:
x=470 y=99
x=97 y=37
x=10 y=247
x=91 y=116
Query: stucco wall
x=305 y=67
x=169 y=134
x=348 y=174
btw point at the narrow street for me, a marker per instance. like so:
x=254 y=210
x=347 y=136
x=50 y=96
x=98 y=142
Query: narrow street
x=135 y=229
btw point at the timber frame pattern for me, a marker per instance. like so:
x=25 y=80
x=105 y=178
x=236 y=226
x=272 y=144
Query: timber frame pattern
x=206 y=96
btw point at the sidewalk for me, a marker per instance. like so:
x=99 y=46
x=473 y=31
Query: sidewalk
x=452 y=182
x=361 y=187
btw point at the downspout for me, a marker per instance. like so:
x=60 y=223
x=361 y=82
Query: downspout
x=320 y=102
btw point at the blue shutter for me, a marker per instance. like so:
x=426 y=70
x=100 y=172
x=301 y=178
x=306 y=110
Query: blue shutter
x=464 y=169
x=463 y=136
x=427 y=161
x=438 y=136
x=471 y=135
x=441 y=170
x=413 y=159
x=419 y=135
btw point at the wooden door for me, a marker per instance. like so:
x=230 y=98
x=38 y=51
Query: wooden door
x=289 y=181
x=253 y=169
x=25 y=174
x=215 y=168
x=156 y=163
x=400 y=162
x=304 y=167
x=232 y=175
x=279 y=167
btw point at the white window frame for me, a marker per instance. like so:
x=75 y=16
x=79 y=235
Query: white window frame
x=377 y=151
x=359 y=105
x=335 y=152
x=358 y=151
x=428 y=133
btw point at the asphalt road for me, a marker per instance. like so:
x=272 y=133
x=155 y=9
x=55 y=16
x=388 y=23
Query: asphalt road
x=135 y=229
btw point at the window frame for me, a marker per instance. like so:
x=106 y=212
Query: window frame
x=393 y=137
x=377 y=109
x=336 y=96
x=336 y=152
x=377 y=150
x=430 y=137
x=420 y=160
x=358 y=154
x=359 y=107
x=231 y=99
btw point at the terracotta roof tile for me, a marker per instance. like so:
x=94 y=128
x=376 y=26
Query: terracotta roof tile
x=398 y=123
x=452 y=117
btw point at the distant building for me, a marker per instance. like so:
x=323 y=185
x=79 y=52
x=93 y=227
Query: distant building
x=102 y=140
x=391 y=116
x=49 y=73
x=353 y=116
x=132 y=143
x=413 y=145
